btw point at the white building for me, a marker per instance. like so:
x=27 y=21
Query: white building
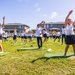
x=9 y=27
x=51 y=25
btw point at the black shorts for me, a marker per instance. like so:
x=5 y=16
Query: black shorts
x=54 y=36
x=45 y=35
x=70 y=39
x=22 y=37
x=0 y=37
x=14 y=38
x=4 y=37
x=25 y=37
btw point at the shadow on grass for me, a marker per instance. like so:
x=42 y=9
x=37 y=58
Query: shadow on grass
x=24 y=49
x=30 y=48
x=53 y=57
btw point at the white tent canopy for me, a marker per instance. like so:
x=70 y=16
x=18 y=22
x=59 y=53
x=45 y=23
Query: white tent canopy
x=54 y=28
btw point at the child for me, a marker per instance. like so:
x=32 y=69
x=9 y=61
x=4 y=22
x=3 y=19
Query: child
x=63 y=34
x=25 y=36
x=15 y=35
x=1 y=32
x=45 y=35
x=58 y=35
x=69 y=36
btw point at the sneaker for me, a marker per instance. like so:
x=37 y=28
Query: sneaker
x=40 y=48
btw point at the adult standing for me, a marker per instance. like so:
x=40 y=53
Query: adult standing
x=39 y=36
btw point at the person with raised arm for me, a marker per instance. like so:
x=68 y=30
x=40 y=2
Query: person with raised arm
x=69 y=33
x=1 y=32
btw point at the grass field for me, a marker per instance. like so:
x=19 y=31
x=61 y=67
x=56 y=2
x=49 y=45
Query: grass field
x=33 y=62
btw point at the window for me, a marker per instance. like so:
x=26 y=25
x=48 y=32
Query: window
x=20 y=26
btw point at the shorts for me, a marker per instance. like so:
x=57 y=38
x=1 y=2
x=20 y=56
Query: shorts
x=70 y=39
x=14 y=38
x=0 y=37
x=25 y=37
x=45 y=35
x=22 y=37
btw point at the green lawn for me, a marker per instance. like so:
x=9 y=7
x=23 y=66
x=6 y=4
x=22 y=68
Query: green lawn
x=34 y=62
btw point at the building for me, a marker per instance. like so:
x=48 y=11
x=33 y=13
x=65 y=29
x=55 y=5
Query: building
x=9 y=27
x=56 y=25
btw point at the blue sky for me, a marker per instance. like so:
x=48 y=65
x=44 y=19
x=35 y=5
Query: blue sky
x=32 y=12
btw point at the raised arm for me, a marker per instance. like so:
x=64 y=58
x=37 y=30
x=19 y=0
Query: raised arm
x=67 y=17
x=42 y=24
x=3 y=21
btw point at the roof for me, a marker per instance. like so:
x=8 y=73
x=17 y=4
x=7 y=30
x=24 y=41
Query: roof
x=16 y=24
x=54 y=28
x=9 y=29
x=55 y=23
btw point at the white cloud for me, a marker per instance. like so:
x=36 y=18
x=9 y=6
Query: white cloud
x=38 y=9
x=53 y=14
